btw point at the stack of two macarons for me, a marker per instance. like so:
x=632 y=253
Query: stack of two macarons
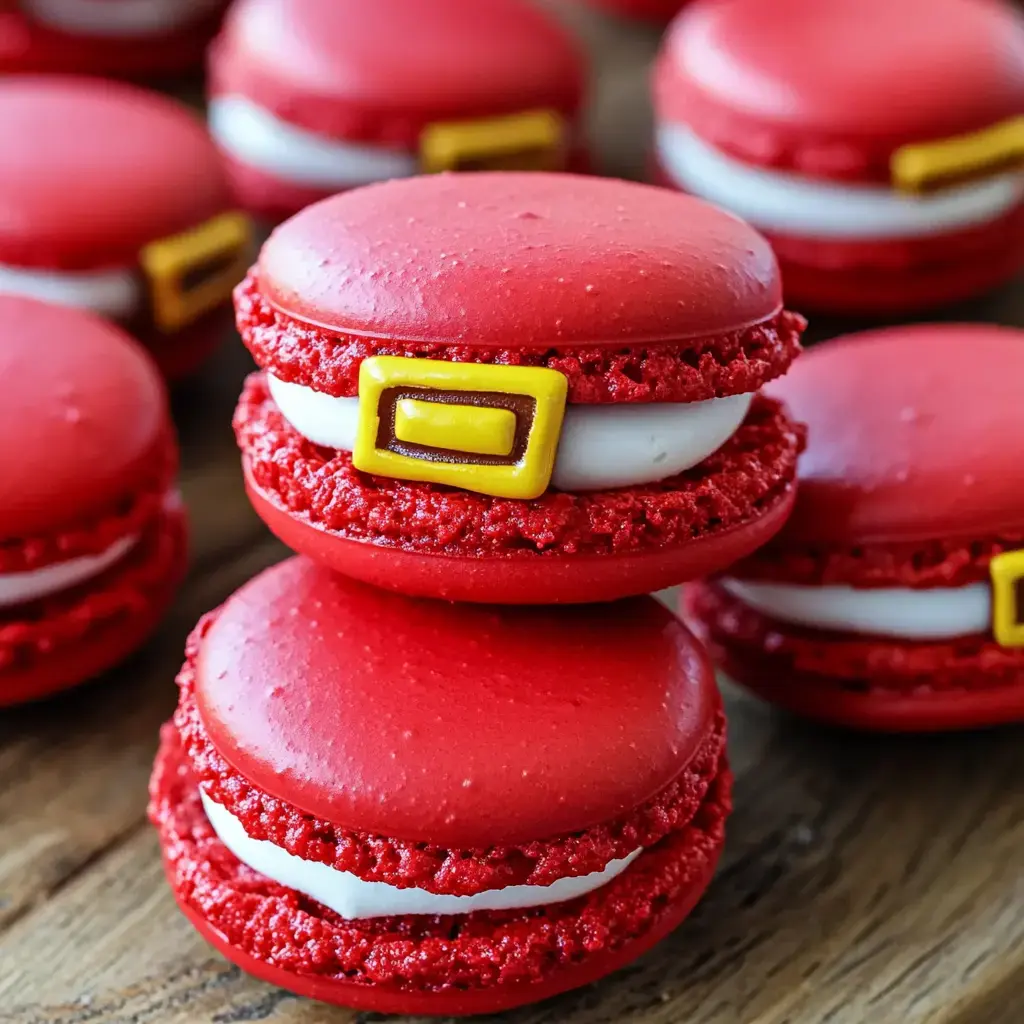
x=511 y=391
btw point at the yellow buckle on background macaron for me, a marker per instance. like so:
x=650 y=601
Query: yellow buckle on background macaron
x=489 y=429
x=532 y=141
x=191 y=273
x=1007 y=572
x=919 y=167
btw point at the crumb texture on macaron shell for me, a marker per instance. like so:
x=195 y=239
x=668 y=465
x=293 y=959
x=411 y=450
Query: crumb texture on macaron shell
x=751 y=473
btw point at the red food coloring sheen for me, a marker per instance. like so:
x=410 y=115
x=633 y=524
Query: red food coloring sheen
x=692 y=370
x=376 y=961
x=744 y=478
x=377 y=858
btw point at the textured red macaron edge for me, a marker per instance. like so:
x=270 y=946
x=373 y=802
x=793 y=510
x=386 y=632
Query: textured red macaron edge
x=935 y=563
x=33 y=633
x=693 y=370
x=94 y=534
x=846 y=661
x=749 y=474
x=487 y=951
x=376 y=858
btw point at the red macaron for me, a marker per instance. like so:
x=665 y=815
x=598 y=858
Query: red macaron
x=310 y=97
x=113 y=199
x=878 y=145
x=517 y=388
x=92 y=531
x=135 y=39
x=892 y=598
x=405 y=807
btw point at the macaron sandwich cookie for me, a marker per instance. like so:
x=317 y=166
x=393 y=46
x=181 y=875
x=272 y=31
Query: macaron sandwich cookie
x=878 y=145
x=893 y=598
x=136 y=39
x=406 y=807
x=92 y=532
x=112 y=199
x=517 y=388
x=310 y=97
x=647 y=10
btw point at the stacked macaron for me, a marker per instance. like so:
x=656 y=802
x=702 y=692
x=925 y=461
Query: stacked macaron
x=136 y=39
x=113 y=200
x=893 y=597
x=878 y=145
x=518 y=388
x=310 y=97
x=92 y=535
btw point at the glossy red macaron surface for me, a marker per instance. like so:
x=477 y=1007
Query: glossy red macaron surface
x=912 y=435
x=350 y=703
x=83 y=414
x=98 y=170
x=385 y=69
x=520 y=259
x=812 y=84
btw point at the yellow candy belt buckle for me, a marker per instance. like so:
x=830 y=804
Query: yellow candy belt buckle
x=191 y=273
x=927 y=166
x=1007 y=572
x=532 y=141
x=489 y=429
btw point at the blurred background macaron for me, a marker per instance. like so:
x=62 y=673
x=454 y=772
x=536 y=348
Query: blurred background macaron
x=135 y=39
x=517 y=388
x=92 y=531
x=113 y=199
x=646 y=10
x=894 y=596
x=310 y=97
x=878 y=145
x=405 y=806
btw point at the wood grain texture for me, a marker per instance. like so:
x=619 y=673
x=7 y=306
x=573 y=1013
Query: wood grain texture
x=866 y=879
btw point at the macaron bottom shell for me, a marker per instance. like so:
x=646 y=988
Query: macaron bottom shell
x=180 y=354
x=892 y=276
x=517 y=957
x=70 y=638
x=562 y=548
x=859 y=682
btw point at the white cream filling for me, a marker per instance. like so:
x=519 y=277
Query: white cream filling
x=116 y=294
x=353 y=898
x=21 y=587
x=791 y=204
x=602 y=446
x=258 y=139
x=934 y=614
x=117 y=18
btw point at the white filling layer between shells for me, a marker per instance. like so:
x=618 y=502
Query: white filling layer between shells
x=258 y=139
x=21 y=587
x=118 y=18
x=116 y=294
x=602 y=446
x=935 y=614
x=791 y=204
x=353 y=898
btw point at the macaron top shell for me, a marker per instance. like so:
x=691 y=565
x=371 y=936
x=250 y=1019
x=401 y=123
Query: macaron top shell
x=387 y=68
x=834 y=87
x=95 y=170
x=463 y=726
x=83 y=411
x=509 y=260
x=914 y=434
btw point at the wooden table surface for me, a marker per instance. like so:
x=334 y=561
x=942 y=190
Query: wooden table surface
x=866 y=879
